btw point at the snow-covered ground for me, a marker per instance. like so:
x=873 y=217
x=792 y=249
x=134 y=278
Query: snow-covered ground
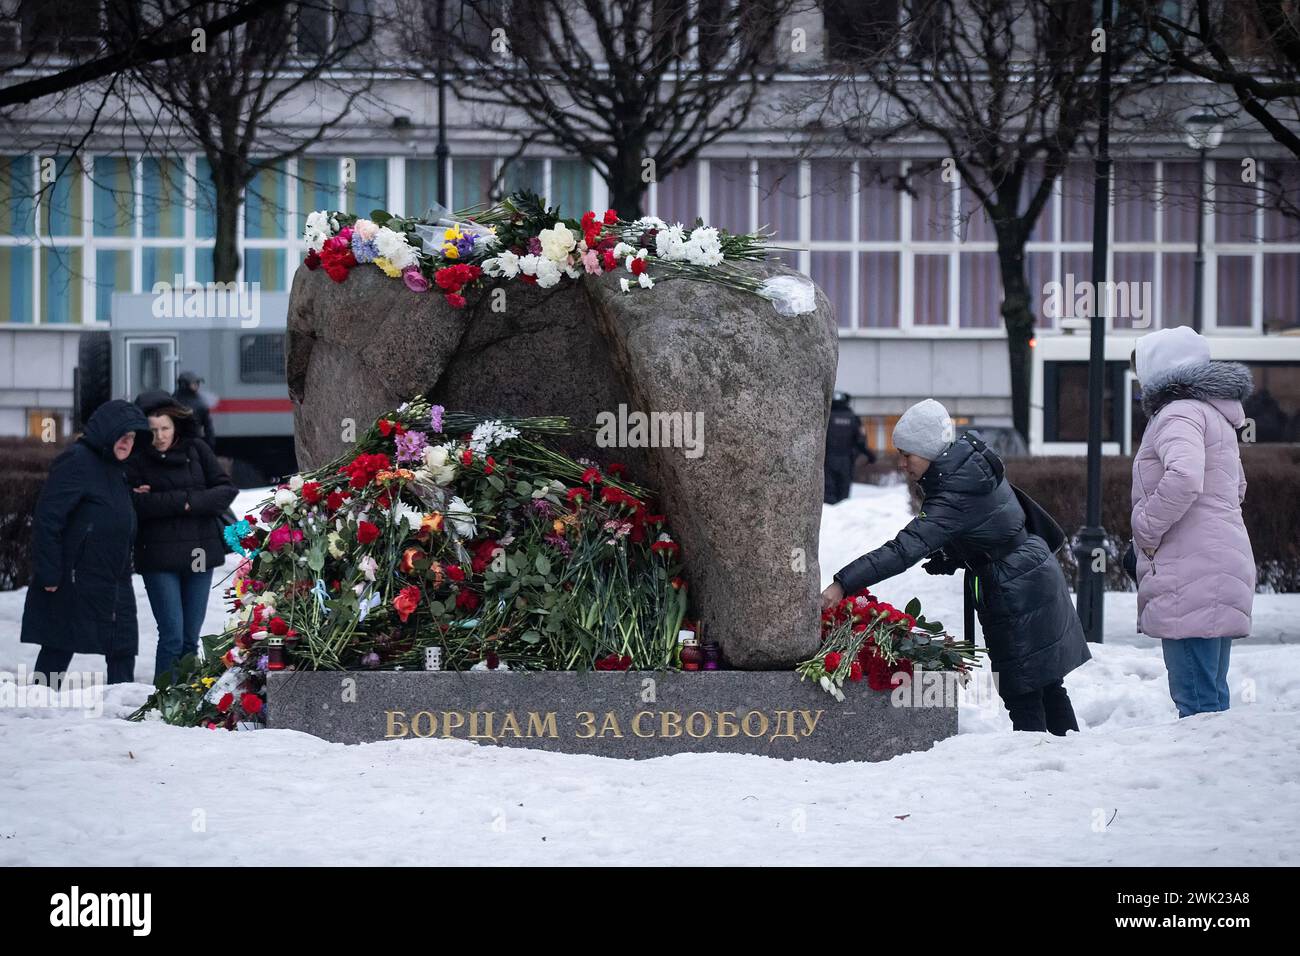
x=1137 y=786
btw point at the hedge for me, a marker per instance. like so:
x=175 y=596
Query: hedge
x=1271 y=509
x=24 y=463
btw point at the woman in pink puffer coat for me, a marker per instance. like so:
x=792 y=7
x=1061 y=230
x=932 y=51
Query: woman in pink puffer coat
x=1195 y=567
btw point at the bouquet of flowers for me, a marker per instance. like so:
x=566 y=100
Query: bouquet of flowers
x=445 y=529
x=866 y=637
x=521 y=239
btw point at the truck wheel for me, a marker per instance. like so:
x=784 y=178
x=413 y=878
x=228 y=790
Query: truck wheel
x=94 y=375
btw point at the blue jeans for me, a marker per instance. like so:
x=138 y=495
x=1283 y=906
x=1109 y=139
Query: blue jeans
x=1198 y=673
x=179 y=600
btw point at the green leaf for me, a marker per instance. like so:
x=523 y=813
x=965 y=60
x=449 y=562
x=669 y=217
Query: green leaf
x=496 y=482
x=379 y=216
x=523 y=489
x=543 y=565
x=531 y=637
x=913 y=607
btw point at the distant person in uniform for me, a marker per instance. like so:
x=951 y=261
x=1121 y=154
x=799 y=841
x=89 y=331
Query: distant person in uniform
x=844 y=442
x=187 y=395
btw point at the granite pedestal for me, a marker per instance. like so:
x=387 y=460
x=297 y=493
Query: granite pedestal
x=627 y=714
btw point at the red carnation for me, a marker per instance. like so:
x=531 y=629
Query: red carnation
x=611 y=217
x=250 y=703
x=312 y=261
x=490 y=466
x=467 y=457
x=833 y=661
x=609 y=260
x=855 y=671
x=455 y=572
x=617 y=469
x=467 y=600
x=366 y=532
x=279 y=626
x=638 y=266
x=385 y=427
x=311 y=492
x=223 y=705
x=577 y=495
x=455 y=300
x=591 y=476
x=334 y=500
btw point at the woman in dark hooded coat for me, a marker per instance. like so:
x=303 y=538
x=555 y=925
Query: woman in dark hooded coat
x=81 y=600
x=180 y=492
x=971 y=517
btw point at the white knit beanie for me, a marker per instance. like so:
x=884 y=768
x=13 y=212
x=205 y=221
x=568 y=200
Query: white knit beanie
x=925 y=429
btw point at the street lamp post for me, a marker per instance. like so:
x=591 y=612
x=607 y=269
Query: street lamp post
x=442 y=153
x=1092 y=536
x=1202 y=132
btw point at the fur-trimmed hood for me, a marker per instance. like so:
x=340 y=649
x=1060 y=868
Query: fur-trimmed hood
x=1219 y=383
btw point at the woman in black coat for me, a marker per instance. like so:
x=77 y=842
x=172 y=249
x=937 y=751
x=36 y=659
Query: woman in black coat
x=970 y=517
x=81 y=600
x=180 y=494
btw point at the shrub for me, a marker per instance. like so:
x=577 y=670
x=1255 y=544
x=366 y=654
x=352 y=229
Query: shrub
x=1271 y=510
x=24 y=463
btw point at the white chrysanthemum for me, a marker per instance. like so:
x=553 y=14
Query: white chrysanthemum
x=704 y=248
x=557 y=242
x=319 y=228
x=285 y=499
x=461 y=518
x=487 y=435
x=412 y=516
x=648 y=222
x=670 y=243
x=394 y=247
x=506 y=264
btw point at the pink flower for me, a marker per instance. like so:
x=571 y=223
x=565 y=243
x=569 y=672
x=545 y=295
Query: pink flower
x=415 y=280
x=282 y=536
x=591 y=262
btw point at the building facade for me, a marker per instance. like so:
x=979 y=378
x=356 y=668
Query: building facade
x=914 y=278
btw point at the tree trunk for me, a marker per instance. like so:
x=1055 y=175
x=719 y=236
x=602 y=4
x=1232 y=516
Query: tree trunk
x=1018 y=318
x=627 y=190
x=229 y=193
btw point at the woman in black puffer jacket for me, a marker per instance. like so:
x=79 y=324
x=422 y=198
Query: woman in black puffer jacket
x=971 y=517
x=180 y=494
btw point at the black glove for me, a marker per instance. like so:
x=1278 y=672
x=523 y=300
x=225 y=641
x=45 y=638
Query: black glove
x=1130 y=562
x=940 y=563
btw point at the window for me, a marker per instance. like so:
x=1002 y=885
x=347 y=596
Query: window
x=324 y=29
x=1065 y=401
x=69 y=27
x=261 y=359
x=859 y=29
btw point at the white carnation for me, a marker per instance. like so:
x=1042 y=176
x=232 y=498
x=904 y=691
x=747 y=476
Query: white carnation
x=506 y=264
x=461 y=518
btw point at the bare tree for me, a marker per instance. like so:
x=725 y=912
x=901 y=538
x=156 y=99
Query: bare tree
x=1008 y=87
x=1250 y=50
x=634 y=87
x=230 y=98
x=68 y=43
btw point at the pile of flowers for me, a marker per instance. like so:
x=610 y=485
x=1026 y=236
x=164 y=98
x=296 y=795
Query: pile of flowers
x=865 y=638
x=521 y=239
x=445 y=529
